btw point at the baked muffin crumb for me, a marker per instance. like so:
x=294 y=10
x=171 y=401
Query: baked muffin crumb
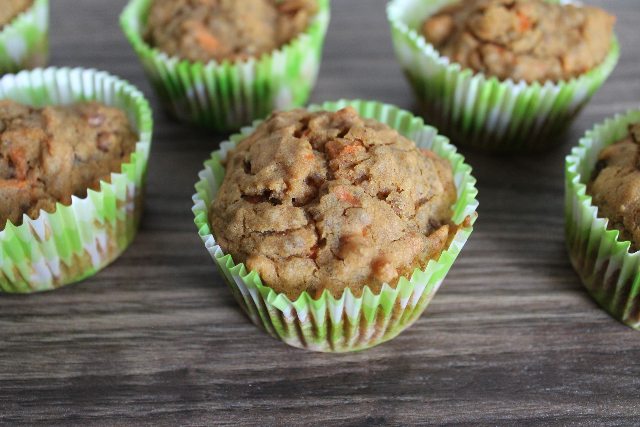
x=49 y=154
x=11 y=9
x=329 y=200
x=205 y=30
x=530 y=40
x=615 y=186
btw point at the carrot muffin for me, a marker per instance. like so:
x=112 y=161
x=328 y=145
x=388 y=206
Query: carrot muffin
x=324 y=200
x=47 y=155
x=530 y=40
x=205 y=30
x=12 y=8
x=615 y=186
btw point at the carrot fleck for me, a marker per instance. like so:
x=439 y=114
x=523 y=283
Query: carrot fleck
x=350 y=149
x=524 y=23
x=13 y=184
x=19 y=160
x=428 y=153
x=345 y=196
x=207 y=40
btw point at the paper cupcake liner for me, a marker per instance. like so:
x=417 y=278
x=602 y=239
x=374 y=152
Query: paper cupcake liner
x=225 y=96
x=480 y=111
x=78 y=240
x=608 y=270
x=24 y=42
x=348 y=323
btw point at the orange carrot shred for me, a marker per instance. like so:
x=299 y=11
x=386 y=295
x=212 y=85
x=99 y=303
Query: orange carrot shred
x=524 y=22
x=207 y=40
x=345 y=196
x=350 y=149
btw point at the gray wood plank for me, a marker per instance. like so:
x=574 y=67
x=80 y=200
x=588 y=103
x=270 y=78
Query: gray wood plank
x=511 y=338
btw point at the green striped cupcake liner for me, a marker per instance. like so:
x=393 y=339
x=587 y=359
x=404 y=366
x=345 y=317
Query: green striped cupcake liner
x=347 y=323
x=76 y=241
x=484 y=112
x=607 y=268
x=227 y=95
x=24 y=42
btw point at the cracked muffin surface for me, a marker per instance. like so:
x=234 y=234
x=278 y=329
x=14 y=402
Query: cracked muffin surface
x=329 y=200
x=49 y=154
x=11 y=9
x=530 y=40
x=205 y=30
x=615 y=186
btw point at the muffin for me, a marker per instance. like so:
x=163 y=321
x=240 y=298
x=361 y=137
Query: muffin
x=328 y=200
x=528 y=40
x=215 y=30
x=503 y=75
x=24 y=34
x=221 y=63
x=602 y=225
x=72 y=168
x=49 y=154
x=615 y=186
x=11 y=9
x=347 y=215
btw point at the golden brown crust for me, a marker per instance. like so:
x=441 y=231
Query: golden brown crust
x=530 y=40
x=10 y=9
x=324 y=200
x=205 y=30
x=47 y=155
x=615 y=186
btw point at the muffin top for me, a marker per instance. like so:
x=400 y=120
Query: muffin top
x=47 y=155
x=615 y=186
x=205 y=30
x=12 y=8
x=530 y=40
x=329 y=200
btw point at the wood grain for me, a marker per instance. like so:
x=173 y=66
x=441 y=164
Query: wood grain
x=156 y=339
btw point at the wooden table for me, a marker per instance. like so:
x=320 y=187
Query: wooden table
x=511 y=338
